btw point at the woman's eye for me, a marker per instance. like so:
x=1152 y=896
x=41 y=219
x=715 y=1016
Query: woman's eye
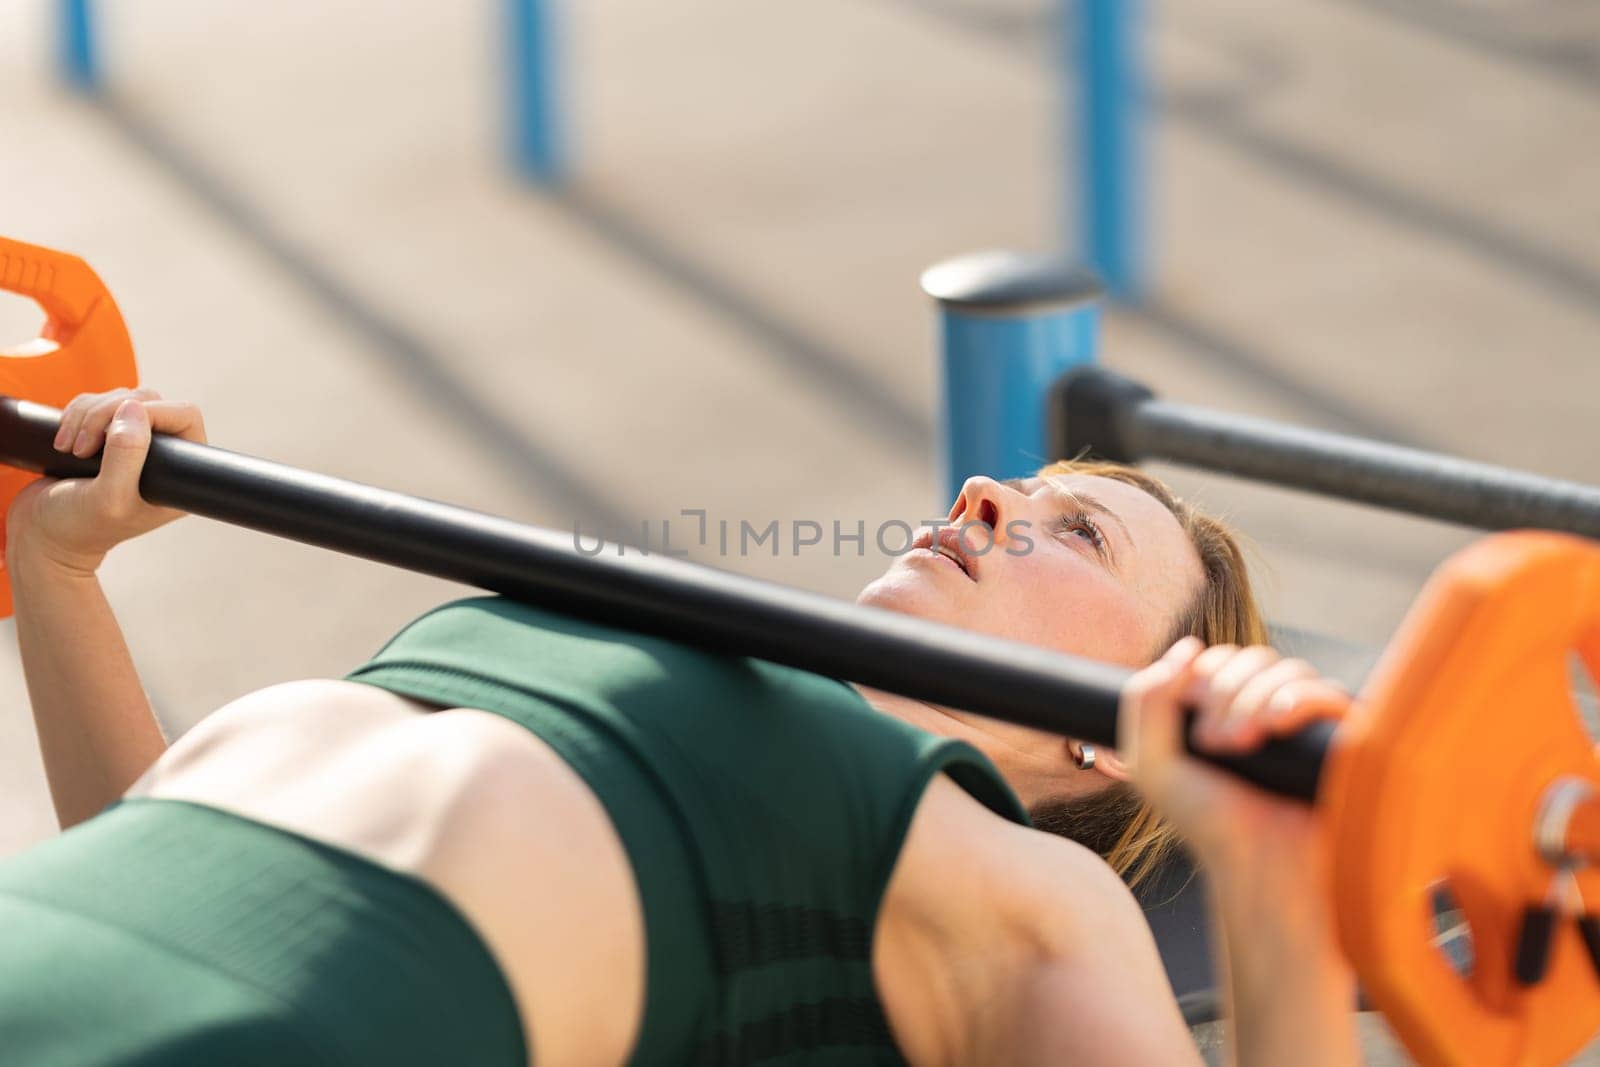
x=1081 y=526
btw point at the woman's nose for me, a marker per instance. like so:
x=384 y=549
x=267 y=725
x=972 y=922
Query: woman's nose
x=982 y=499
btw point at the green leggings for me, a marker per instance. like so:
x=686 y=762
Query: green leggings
x=170 y=933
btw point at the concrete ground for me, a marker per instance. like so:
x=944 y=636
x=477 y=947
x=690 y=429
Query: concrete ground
x=1379 y=217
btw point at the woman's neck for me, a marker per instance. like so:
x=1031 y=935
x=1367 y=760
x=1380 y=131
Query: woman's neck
x=918 y=713
x=1030 y=779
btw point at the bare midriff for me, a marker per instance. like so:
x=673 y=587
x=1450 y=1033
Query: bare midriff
x=466 y=801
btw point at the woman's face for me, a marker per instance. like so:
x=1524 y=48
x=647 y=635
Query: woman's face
x=1087 y=565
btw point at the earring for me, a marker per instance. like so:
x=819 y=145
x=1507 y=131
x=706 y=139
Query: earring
x=1085 y=757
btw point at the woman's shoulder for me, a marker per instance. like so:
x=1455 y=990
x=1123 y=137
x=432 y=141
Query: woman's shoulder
x=1008 y=908
x=1050 y=890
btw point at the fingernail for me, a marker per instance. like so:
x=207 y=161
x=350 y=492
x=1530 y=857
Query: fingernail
x=60 y=443
x=1280 y=704
x=82 y=441
x=129 y=414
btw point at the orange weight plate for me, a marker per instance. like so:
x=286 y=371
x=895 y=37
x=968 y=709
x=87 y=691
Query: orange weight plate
x=1437 y=779
x=84 y=346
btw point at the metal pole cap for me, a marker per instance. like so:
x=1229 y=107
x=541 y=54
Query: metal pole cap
x=1005 y=282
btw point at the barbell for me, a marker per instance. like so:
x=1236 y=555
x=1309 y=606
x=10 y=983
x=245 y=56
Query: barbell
x=1463 y=768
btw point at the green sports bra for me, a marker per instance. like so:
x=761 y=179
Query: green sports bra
x=787 y=796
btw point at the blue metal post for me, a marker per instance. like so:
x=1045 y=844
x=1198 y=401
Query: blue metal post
x=1105 y=75
x=1010 y=324
x=537 y=143
x=78 y=55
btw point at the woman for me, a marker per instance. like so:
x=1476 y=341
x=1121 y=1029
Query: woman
x=515 y=838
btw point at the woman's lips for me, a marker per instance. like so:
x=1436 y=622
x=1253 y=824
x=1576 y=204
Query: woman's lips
x=946 y=543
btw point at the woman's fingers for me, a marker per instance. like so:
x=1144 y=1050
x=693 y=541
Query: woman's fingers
x=1243 y=696
x=85 y=418
x=1223 y=671
x=179 y=418
x=91 y=432
x=1150 y=716
x=1244 y=721
x=72 y=418
x=1302 y=701
x=127 y=444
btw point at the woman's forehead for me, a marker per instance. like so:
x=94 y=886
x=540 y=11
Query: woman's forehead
x=1112 y=492
x=1148 y=522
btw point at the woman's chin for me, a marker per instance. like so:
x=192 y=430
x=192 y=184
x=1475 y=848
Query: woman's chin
x=907 y=594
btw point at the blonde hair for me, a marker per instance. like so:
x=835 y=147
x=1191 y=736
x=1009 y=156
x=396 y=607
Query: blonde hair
x=1120 y=826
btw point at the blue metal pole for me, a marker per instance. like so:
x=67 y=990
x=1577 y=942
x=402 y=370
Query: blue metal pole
x=537 y=143
x=78 y=55
x=1107 y=80
x=1010 y=324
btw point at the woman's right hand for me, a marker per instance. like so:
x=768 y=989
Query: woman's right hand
x=1240 y=697
x=73 y=523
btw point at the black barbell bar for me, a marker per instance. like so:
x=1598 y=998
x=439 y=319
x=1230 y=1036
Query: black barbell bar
x=652 y=594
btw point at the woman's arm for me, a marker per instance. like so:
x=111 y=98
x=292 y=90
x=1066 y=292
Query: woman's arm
x=1290 y=992
x=96 y=730
x=97 y=733
x=1287 y=984
x=1100 y=996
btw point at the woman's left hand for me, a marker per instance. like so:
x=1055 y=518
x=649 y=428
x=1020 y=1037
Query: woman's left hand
x=1241 y=697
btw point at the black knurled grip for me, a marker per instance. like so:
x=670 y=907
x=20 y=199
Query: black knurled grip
x=1089 y=407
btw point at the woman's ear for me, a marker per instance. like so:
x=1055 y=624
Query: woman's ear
x=1110 y=764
